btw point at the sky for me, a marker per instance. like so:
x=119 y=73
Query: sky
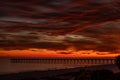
x=59 y=28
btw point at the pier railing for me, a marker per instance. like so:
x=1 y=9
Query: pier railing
x=64 y=61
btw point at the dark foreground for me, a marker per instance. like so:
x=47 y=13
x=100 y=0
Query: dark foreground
x=103 y=72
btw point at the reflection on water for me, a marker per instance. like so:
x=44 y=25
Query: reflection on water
x=18 y=65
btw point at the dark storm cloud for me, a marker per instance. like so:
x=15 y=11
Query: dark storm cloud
x=21 y=40
x=103 y=39
x=85 y=40
x=57 y=16
x=18 y=41
x=108 y=35
x=80 y=24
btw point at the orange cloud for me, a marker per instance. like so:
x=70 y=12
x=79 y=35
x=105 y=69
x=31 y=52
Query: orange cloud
x=43 y=53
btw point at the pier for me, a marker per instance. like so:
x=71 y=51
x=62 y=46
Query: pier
x=64 y=61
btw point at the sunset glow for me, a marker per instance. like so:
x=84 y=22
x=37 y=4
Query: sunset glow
x=43 y=53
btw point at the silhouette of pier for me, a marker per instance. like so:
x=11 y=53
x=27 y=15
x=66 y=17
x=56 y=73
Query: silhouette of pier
x=64 y=61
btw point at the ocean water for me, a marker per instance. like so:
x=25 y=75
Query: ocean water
x=12 y=67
